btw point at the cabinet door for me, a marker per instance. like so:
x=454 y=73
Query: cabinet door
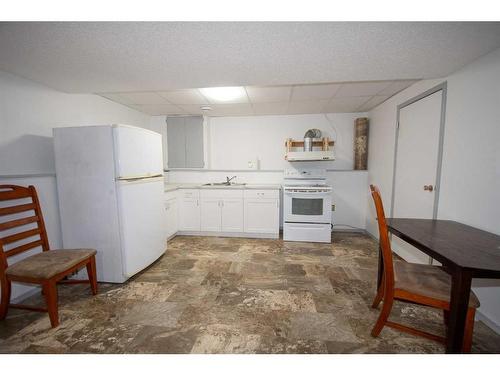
x=232 y=215
x=210 y=215
x=189 y=212
x=176 y=142
x=261 y=215
x=172 y=219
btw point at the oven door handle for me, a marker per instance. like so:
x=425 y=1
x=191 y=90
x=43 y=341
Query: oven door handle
x=308 y=193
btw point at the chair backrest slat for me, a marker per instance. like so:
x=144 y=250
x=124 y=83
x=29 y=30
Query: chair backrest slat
x=11 y=224
x=16 y=209
x=385 y=244
x=21 y=236
x=14 y=192
x=22 y=248
x=18 y=222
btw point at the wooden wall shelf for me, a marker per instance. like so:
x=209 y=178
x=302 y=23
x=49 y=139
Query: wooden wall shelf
x=324 y=143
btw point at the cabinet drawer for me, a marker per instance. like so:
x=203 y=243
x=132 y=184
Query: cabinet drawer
x=170 y=195
x=265 y=194
x=189 y=193
x=221 y=193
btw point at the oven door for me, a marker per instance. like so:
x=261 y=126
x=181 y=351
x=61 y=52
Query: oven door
x=307 y=206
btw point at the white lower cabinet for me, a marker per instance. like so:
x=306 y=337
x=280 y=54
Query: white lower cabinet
x=172 y=216
x=210 y=215
x=237 y=211
x=262 y=212
x=189 y=210
x=232 y=215
x=261 y=216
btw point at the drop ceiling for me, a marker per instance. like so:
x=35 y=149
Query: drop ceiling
x=92 y=57
x=266 y=100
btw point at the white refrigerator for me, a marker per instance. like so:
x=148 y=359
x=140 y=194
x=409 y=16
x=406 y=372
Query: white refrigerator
x=110 y=189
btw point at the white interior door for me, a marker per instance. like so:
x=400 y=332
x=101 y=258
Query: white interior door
x=416 y=166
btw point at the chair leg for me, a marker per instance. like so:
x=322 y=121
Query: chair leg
x=380 y=294
x=446 y=318
x=91 y=272
x=4 y=305
x=384 y=315
x=50 y=292
x=469 y=329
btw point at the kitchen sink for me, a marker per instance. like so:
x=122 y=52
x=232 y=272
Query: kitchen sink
x=223 y=184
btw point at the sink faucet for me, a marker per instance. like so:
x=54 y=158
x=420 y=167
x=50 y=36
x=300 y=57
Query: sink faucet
x=228 y=180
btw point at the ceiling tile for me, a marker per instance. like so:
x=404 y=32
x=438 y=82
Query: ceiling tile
x=270 y=108
x=116 y=98
x=346 y=104
x=395 y=87
x=143 y=97
x=159 y=109
x=310 y=106
x=269 y=94
x=312 y=92
x=236 y=109
x=373 y=102
x=190 y=96
x=362 y=88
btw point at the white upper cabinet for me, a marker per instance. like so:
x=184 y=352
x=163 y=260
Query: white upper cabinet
x=185 y=142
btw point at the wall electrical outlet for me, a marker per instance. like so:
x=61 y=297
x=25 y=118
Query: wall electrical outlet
x=253 y=164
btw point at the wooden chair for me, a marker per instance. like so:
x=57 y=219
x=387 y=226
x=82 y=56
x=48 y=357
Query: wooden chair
x=46 y=268
x=420 y=284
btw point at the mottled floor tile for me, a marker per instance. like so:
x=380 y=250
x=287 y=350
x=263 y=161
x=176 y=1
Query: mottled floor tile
x=235 y=295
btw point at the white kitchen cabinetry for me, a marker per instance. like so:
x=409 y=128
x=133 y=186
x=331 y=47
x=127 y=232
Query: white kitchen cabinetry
x=232 y=215
x=210 y=215
x=171 y=208
x=262 y=212
x=221 y=210
x=229 y=212
x=189 y=210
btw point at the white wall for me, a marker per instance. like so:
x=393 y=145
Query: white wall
x=233 y=141
x=28 y=112
x=470 y=180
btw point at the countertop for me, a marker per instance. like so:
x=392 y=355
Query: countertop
x=190 y=185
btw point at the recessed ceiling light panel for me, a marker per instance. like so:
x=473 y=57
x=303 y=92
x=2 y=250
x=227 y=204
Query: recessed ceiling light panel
x=224 y=94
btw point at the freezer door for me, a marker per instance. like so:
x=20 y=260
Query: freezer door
x=138 y=152
x=143 y=228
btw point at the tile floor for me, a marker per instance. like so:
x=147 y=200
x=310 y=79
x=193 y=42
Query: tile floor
x=230 y=295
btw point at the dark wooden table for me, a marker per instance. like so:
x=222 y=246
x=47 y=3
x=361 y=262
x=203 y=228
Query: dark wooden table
x=465 y=253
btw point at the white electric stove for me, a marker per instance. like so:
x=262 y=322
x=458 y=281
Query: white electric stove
x=307 y=201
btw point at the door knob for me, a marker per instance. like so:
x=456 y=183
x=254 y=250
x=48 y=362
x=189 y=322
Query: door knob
x=428 y=187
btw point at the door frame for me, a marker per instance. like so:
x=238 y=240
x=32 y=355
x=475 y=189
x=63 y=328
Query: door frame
x=441 y=87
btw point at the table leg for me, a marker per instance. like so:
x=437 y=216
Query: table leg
x=459 y=302
x=380 y=267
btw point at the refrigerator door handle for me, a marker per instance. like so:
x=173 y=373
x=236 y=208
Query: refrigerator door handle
x=136 y=178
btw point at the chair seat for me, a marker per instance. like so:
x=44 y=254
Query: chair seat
x=47 y=264
x=426 y=280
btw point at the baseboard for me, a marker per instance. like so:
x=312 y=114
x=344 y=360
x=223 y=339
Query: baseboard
x=229 y=234
x=490 y=323
x=30 y=293
x=351 y=230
